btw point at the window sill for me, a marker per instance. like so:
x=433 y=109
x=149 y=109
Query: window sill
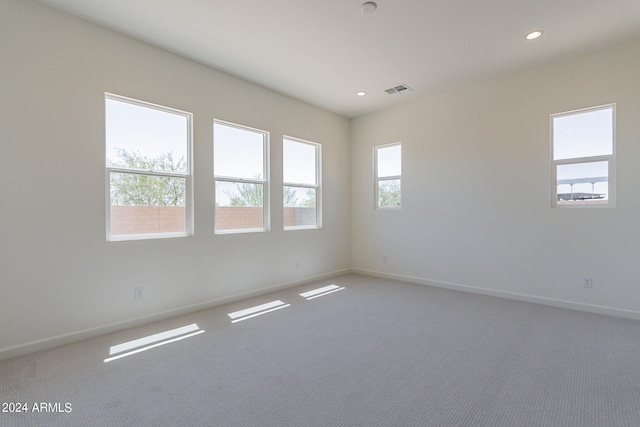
x=302 y=227
x=150 y=236
x=241 y=231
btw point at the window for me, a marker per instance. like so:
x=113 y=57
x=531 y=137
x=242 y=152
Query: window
x=583 y=157
x=388 y=175
x=148 y=167
x=301 y=189
x=240 y=159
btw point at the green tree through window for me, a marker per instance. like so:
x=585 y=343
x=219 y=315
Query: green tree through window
x=129 y=189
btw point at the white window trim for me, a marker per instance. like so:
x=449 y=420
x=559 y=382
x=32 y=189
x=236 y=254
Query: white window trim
x=377 y=180
x=317 y=187
x=609 y=158
x=266 y=217
x=188 y=176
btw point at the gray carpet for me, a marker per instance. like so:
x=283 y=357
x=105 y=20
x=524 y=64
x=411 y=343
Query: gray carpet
x=378 y=353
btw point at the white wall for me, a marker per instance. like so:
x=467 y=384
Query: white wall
x=60 y=278
x=476 y=188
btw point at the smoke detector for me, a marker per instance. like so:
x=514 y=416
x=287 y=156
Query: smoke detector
x=369 y=7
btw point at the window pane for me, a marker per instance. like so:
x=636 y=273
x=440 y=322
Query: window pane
x=134 y=190
x=389 y=193
x=583 y=181
x=299 y=206
x=142 y=204
x=145 y=138
x=389 y=161
x=299 y=162
x=238 y=153
x=239 y=205
x=583 y=134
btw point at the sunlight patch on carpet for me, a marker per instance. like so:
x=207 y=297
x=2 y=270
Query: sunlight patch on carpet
x=320 y=292
x=257 y=310
x=152 y=341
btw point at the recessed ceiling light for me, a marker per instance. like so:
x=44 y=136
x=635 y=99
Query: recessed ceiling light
x=361 y=93
x=368 y=7
x=534 y=35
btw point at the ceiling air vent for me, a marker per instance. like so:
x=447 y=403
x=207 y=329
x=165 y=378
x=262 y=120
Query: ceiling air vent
x=399 y=89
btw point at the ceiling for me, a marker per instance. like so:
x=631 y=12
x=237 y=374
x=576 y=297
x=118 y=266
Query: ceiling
x=324 y=51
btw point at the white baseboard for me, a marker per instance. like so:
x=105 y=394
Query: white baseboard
x=571 y=305
x=50 y=342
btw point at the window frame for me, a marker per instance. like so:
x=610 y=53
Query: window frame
x=317 y=187
x=266 y=218
x=609 y=158
x=378 y=179
x=187 y=176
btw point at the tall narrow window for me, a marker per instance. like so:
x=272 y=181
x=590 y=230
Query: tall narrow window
x=301 y=189
x=148 y=167
x=388 y=175
x=583 y=157
x=240 y=165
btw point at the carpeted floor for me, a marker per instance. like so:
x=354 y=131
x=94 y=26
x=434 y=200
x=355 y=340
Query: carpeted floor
x=377 y=353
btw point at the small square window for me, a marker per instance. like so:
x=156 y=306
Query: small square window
x=388 y=176
x=240 y=174
x=583 y=147
x=301 y=186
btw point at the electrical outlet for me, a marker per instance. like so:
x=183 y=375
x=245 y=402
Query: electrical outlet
x=587 y=282
x=138 y=293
